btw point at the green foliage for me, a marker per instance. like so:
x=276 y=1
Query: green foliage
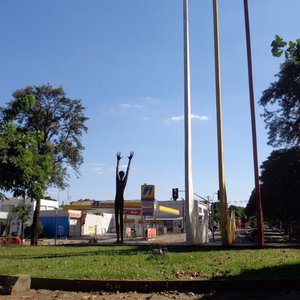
x=280 y=186
x=239 y=212
x=277 y=44
x=280 y=177
x=22 y=211
x=281 y=101
x=59 y=119
x=292 y=52
x=23 y=169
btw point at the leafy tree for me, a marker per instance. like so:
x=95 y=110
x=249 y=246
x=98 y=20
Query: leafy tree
x=22 y=211
x=60 y=121
x=280 y=187
x=281 y=101
x=22 y=169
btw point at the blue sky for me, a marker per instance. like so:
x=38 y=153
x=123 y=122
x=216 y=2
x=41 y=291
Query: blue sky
x=124 y=60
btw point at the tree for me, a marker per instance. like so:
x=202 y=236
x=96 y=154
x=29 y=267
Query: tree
x=280 y=187
x=22 y=211
x=22 y=169
x=60 y=121
x=281 y=101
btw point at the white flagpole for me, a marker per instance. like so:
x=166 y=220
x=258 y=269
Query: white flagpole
x=189 y=193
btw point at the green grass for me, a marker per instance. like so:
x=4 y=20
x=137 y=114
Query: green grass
x=138 y=263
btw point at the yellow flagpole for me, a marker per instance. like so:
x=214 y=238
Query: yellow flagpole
x=224 y=219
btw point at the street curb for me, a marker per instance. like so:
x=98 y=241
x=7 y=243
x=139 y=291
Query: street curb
x=196 y=286
x=14 y=284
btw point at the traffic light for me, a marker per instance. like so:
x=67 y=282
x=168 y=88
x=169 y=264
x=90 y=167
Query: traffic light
x=175 y=194
x=218 y=194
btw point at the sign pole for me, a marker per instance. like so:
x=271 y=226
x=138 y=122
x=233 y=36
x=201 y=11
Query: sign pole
x=147 y=203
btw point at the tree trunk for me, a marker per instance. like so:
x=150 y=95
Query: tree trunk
x=34 y=226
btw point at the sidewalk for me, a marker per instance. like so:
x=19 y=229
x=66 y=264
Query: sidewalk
x=165 y=239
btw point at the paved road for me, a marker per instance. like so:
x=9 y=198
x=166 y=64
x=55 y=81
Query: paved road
x=166 y=239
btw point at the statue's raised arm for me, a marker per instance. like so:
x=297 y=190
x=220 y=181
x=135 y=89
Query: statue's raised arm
x=118 y=161
x=131 y=155
x=128 y=166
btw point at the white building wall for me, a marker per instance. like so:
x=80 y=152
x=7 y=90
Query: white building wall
x=10 y=203
x=97 y=224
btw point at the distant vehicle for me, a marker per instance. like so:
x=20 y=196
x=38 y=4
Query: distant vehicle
x=10 y=240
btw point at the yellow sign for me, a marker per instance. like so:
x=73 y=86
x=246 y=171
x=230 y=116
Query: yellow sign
x=147 y=192
x=169 y=210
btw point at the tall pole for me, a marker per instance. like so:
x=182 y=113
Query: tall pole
x=259 y=212
x=222 y=184
x=189 y=200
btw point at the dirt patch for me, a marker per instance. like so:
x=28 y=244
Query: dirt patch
x=61 y=295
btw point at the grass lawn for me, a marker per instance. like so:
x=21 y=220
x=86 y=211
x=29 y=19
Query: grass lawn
x=140 y=262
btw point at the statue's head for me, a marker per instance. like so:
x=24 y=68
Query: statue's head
x=121 y=174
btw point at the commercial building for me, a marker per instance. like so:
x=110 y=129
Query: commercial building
x=74 y=223
x=10 y=221
x=164 y=216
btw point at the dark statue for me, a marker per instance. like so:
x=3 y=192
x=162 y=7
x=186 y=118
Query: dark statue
x=121 y=181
